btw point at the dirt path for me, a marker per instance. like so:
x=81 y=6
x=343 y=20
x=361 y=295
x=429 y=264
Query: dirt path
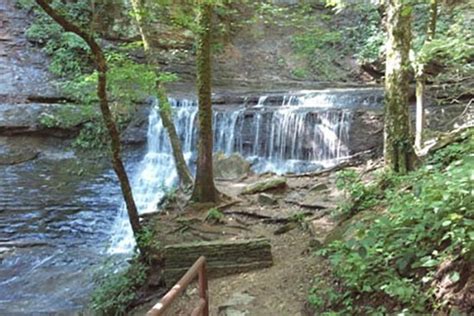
x=281 y=289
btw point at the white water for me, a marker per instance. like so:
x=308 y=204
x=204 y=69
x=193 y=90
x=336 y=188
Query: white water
x=157 y=172
x=292 y=133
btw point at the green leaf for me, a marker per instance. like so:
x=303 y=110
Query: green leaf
x=454 y=277
x=430 y=263
x=446 y=223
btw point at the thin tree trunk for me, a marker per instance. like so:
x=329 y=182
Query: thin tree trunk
x=165 y=112
x=420 y=112
x=420 y=78
x=101 y=66
x=204 y=188
x=182 y=169
x=398 y=150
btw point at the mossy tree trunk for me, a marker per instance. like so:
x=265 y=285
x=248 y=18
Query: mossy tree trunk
x=398 y=149
x=182 y=169
x=420 y=78
x=204 y=189
x=101 y=66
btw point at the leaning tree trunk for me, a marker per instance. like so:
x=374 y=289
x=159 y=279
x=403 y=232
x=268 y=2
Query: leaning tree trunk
x=420 y=78
x=182 y=169
x=204 y=188
x=101 y=66
x=398 y=150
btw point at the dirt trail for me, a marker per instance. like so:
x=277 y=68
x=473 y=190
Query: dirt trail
x=281 y=289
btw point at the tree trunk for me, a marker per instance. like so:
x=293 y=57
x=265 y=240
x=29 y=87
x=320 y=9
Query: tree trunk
x=420 y=112
x=204 y=188
x=101 y=66
x=182 y=169
x=165 y=113
x=420 y=78
x=398 y=150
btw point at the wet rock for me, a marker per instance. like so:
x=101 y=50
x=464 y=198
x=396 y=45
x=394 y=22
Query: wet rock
x=366 y=132
x=4 y=252
x=136 y=131
x=276 y=183
x=25 y=119
x=13 y=157
x=230 y=167
x=266 y=199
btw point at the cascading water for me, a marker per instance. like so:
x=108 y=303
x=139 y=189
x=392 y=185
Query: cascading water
x=279 y=133
x=157 y=171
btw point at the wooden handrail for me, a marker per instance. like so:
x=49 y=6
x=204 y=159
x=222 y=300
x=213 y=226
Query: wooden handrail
x=198 y=269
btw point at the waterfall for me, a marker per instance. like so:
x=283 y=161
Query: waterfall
x=156 y=173
x=279 y=133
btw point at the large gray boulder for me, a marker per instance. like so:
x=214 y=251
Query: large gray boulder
x=231 y=167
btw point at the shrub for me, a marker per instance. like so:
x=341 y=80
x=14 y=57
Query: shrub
x=428 y=220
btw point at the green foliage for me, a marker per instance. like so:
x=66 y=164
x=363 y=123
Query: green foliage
x=298 y=217
x=171 y=194
x=66 y=116
x=214 y=214
x=322 y=48
x=128 y=83
x=429 y=219
x=69 y=54
x=453 y=44
x=300 y=73
x=146 y=240
x=115 y=291
x=359 y=196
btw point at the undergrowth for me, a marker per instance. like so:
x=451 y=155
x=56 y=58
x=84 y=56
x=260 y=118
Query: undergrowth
x=389 y=263
x=116 y=291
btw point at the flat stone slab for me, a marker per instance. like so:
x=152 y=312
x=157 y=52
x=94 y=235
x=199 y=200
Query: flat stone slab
x=223 y=257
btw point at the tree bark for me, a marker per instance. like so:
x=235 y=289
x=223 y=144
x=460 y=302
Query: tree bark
x=420 y=78
x=420 y=112
x=204 y=188
x=182 y=169
x=398 y=150
x=165 y=112
x=101 y=66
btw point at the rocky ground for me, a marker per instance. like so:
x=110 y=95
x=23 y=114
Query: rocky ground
x=294 y=213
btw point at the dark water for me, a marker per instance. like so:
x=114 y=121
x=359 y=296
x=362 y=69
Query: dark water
x=55 y=221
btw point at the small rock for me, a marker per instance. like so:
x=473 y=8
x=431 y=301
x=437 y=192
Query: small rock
x=235 y=305
x=285 y=228
x=266 y=199
x=315 y=244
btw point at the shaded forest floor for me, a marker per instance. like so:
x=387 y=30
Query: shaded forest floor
x=295 y=219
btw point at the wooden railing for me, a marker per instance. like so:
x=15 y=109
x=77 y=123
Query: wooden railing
x=197 y=270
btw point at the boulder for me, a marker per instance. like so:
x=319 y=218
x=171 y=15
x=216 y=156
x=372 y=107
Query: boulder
x=231 y=167
x=13 y=157
x=275 y=183
x=136 y=131
x=26 y=119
